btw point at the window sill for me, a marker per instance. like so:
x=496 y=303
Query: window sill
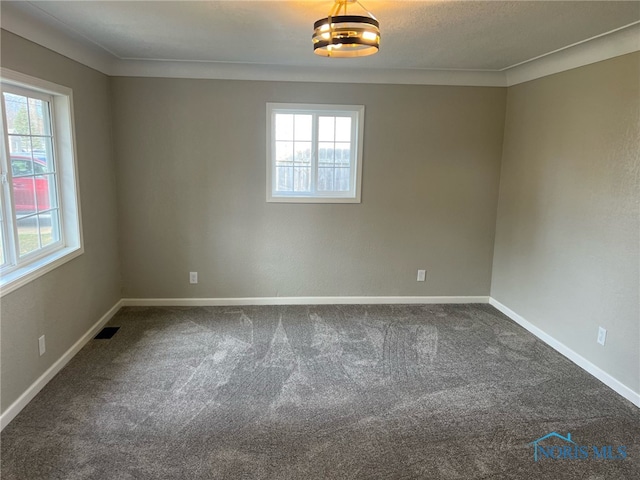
x=20 y=277
x=309 y=199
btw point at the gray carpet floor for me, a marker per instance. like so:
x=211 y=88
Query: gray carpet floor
x=318 y=392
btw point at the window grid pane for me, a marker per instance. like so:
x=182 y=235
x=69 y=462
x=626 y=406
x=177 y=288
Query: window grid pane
x=24 y=196
x=284 y=152
x=302 y=179
x=44 y=161
x=303 y=128
x=28 y=235
x=39 y=120
x=343 y=129
x=48 y=227
x=284 y=126
x=46 y=197
x=17 y=114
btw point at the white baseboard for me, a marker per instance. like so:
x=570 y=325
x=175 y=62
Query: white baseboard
x=22 y=401
x=223 y=302
x=32 y=391
x=604 y=377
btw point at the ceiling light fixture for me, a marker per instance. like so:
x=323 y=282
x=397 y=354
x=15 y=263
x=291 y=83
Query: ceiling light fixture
x=346 y=35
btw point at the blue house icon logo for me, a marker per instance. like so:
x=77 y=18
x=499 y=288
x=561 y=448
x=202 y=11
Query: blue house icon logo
x=547 y=452
x=564 y=448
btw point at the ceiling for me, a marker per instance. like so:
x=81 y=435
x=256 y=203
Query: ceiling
x=416 y=35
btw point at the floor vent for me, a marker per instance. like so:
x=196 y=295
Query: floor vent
x=106 y=333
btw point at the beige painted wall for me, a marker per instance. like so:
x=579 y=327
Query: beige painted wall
x=567 y=241
x=191 y=192
x=65 y=303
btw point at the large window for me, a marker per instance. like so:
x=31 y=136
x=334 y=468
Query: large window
x=314 y=153
x=39 y=210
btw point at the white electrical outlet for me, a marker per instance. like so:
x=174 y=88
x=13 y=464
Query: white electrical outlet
x=193 y=277
x=602 y=335
x=422 y=274
x=41 y=345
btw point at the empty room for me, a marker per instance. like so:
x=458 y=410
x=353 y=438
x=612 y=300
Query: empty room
x=322 y=239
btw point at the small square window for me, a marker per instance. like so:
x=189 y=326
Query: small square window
x=314 y=153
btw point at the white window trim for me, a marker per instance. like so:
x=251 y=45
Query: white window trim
x=69 y=188
x=358 y=143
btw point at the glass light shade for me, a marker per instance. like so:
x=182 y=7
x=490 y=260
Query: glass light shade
x=346 y=36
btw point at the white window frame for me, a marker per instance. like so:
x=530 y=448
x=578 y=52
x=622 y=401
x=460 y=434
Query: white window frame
x=20 y=271
x=356 y=112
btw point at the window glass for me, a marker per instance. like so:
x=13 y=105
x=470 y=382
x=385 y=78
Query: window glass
x=36 y=159
x=315 y=152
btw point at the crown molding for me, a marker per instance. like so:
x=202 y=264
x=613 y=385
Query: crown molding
x=603 y=47
x=245 y=71
x=33 y=27
x=33 y=24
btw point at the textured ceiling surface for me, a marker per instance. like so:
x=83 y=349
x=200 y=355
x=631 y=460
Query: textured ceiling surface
x=471 y=35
